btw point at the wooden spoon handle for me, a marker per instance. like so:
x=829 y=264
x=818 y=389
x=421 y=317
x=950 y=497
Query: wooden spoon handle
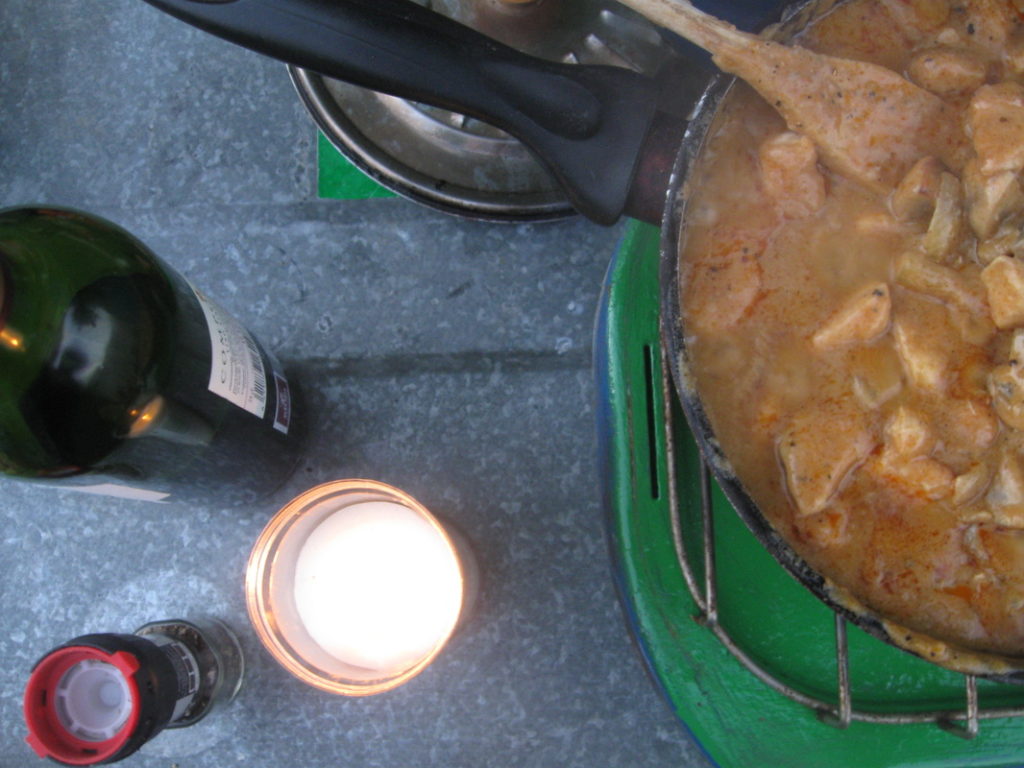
x=702 y=29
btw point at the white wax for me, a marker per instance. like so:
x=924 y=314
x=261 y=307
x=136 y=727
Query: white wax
x=377 y=586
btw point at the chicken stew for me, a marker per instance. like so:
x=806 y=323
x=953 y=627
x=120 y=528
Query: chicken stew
x=859 y=348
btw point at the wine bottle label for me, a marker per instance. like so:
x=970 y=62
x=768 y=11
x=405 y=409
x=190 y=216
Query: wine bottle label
x=283 y=415
x=236 y=372
x=119 y=491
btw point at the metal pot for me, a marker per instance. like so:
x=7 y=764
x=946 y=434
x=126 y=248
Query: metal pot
x=673 y=231
x=613 y=139
x=607 y=135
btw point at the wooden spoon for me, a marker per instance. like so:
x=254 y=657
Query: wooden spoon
x=868 y=123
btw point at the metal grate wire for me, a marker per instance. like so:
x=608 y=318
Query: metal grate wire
x=961 y=722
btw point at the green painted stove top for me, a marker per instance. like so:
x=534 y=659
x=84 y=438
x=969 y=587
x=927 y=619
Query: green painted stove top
x=338 y=179
x=737 y=719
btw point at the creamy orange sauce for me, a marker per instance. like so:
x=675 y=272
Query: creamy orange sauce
x=857 y=351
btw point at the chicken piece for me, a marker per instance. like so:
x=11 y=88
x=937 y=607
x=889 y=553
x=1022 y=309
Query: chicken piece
x=961 y=290
x=991 y=22
x=1006 y=386
x=789 y=172
x=864 y=316
x=998 y=550
x=948 y=71
x=1005 y=497
x=907 y=434
x=1013 y=55
x=1002 y=549
x=917 y=18
x=975 y=515
x=1004 y=283
x=990 y=198
x=921 y=477
x=950 y=37
x=924 y=362
x=971 y=380
x=997 y=598
x=995 y=120
x=1016 y=350
x=877 y=224
x=723 y=286
x=826 y=528
x=787 y=379
x=971 y=484
x=914 y=197
x=945 y=229
x=970 y=426
x=973 y=544
x=926 y=341
x=974 y=329
x=819 y=448
x=1007 y=241
x=917 y=272
x=974 y=423
x=905 y=462
x=877 y=375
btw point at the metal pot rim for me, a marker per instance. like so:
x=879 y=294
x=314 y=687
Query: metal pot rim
x=372 y=159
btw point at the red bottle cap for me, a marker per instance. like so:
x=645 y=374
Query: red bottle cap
x=82 y=704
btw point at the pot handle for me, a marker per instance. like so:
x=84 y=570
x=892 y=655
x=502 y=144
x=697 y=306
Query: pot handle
x=587 y=124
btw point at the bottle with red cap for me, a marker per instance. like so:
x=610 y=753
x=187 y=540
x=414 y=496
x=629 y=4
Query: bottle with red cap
x=98 y=698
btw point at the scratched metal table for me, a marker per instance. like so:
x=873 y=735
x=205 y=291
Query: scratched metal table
x=447 y=357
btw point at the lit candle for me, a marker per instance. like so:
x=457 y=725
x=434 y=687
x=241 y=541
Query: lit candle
x=354 y=587
x=377 y=586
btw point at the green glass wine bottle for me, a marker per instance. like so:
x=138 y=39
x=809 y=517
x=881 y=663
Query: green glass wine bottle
x=118 y=377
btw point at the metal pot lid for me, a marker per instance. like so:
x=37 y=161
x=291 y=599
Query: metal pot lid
x=461 y=165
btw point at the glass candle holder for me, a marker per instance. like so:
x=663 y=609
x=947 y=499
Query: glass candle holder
x=354 y=587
